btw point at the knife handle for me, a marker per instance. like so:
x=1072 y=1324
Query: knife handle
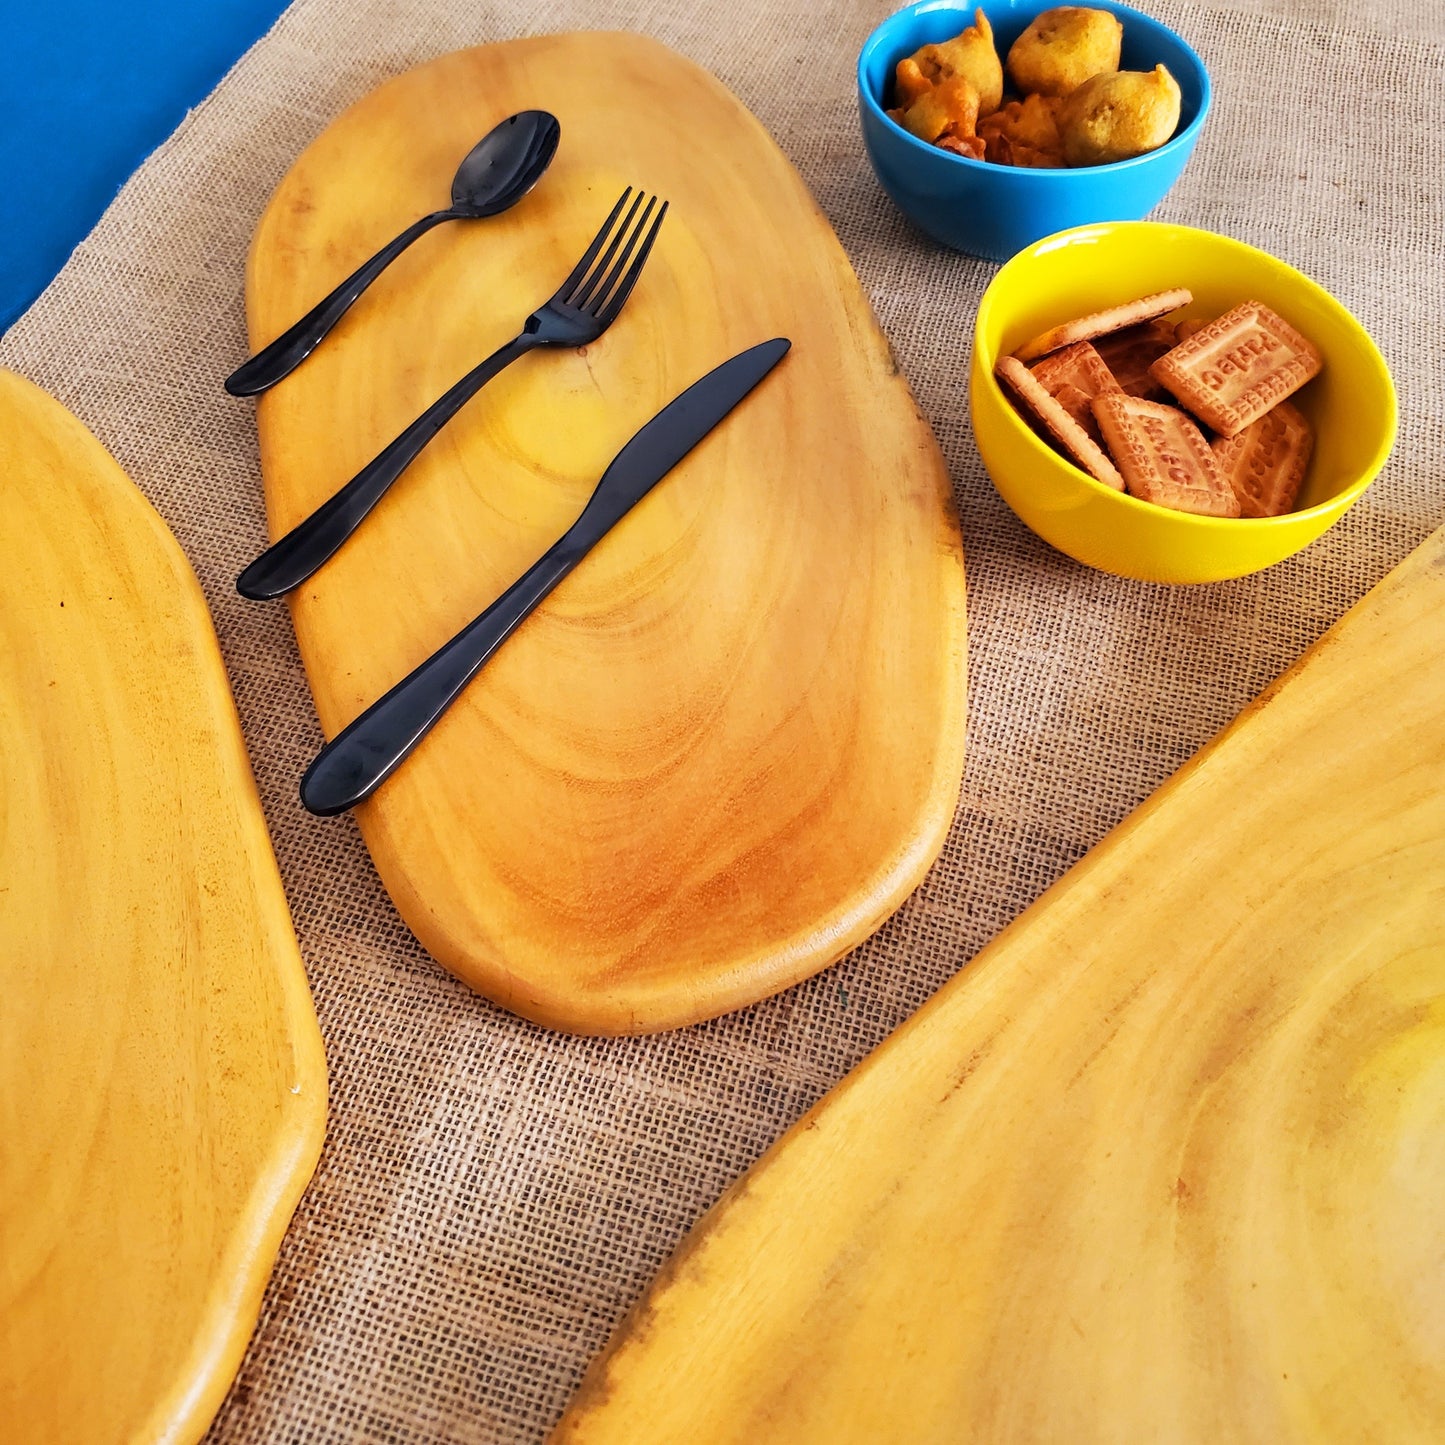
x=364 y=754
x=287 y=563
x=278 y=360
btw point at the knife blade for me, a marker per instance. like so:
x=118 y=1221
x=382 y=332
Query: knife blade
x=366 y=752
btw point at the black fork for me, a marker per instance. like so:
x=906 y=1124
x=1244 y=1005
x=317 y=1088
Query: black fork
x=584 y=306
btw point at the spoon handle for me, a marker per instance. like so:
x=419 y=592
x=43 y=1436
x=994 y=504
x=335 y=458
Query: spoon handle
x=365 y=754
x=293 y=346
x=287 y=563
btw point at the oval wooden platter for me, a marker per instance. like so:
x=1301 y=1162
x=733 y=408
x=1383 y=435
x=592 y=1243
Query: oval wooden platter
x=731 y=743
x=162 y=1083
x=1164 y=1163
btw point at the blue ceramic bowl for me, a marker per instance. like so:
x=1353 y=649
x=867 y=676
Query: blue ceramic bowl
x=994 y=211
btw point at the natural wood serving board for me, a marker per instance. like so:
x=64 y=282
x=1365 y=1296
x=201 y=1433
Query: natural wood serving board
x=162 y=1084
x=1164 y=1163
x=731 y=743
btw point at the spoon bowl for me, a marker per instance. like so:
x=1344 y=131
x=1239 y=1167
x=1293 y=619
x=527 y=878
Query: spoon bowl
x=493 y=176
x=505 y=164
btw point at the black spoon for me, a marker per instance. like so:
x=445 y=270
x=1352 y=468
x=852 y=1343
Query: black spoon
x=496 y=173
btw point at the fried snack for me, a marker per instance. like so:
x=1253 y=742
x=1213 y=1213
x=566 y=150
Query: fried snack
x=949 y=108
x=909 y=83
x=973 y=56
x=1101 y=323
x=1265 y=464
x=962 y=145
x=1060 y=428
x=1113 y=117
x=1063 y=48
x=1163 y=456
x=1130 y=353
x=1024 y=133
x=1234 y=370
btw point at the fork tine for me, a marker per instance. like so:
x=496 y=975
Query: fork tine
x=579 y=297
x=580 y=269
x=602 y=291
x=614 y=304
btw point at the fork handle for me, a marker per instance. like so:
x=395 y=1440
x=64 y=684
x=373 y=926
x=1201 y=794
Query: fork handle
x=294 y=345
x=364 y=754
x=287 y=563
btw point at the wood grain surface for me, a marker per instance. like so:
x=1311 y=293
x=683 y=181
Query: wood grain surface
x=731 y=743
x=162 y=1084
x=1164 y=1163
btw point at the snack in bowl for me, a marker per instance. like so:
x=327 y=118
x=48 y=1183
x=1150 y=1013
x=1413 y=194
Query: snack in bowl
x=1131 y=352
x=1055 y=423
x=945 y=115
x=1230 y=374
x=1024 y=133
x=1117 y=116
x=1163 y=456
x=1103 y=323
x=1075 y=107
x=1265 y=463
x=1074 y=377
x=1064 y=47
x=971 y=55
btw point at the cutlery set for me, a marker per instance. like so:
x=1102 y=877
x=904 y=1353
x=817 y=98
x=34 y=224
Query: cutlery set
x=497 y=173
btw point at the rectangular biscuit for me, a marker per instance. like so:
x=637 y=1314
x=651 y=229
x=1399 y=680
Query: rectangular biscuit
x=1074 y=377
x=1078 y=365
x=1080 y=406
x=1163 y=456
x=1066 y=435
x=1232 y=371
x=1130 y=353
x=1101 y=323
x=1265 y=464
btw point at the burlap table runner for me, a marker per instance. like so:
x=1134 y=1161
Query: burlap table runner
x=492 y=1196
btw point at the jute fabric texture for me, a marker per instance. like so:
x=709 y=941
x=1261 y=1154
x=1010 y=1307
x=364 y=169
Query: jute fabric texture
x=492 y=1196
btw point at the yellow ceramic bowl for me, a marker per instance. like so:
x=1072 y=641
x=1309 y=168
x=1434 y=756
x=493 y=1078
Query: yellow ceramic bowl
x=1351 y=403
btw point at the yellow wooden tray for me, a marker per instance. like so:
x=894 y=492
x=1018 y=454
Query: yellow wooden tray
x=162 y=1084
x=1164 y=1163
x=731 y=743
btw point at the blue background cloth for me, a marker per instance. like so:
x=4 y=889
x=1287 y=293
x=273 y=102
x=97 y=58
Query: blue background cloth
x=88 y=88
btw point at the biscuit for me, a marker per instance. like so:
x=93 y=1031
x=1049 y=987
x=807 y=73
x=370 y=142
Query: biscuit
x=1080 y=406
x=1101 y=323
x=1074 y=377
x=1163 y=456
x=1265 y=463
x=1079 y=365
x=1067 y=435
x=1232 y=371
x=1130 y=353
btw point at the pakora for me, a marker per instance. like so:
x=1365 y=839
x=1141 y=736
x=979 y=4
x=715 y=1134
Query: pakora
x=1115 y=117
x=1024 y=133
x=972 y=55
x=1064 y=47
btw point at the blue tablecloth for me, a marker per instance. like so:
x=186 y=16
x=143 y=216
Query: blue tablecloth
x=90 y=88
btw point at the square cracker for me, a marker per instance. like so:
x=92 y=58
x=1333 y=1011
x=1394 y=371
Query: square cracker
x=1101 y=323
x=1163 y=456
x=1068 y=436
x=1232 y=371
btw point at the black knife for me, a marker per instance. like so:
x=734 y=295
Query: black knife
x=363 y=755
